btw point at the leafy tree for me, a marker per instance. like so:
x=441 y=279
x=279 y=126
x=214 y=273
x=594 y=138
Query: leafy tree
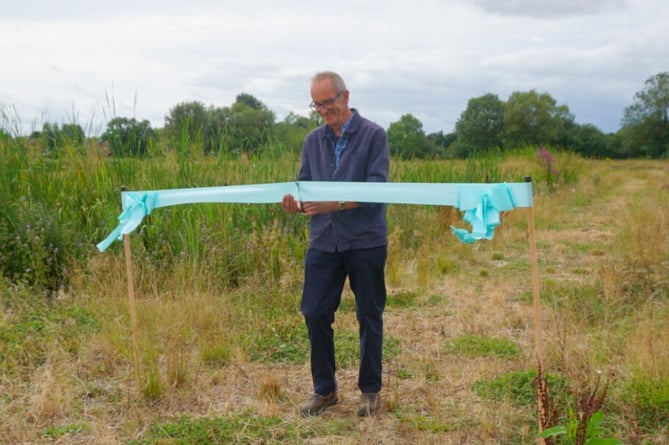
x=129 y=137
x=55 y=137
x=440 y=142
x=51 y=136
x=292 y=130
x=646 y=121
x=406 y=138
x=458 y=150
x=586 y=140
x=306 y=123
x=250 y=101
x=533 y=119
x=246 y=126
x=186 y=122
x=215 y=137
x=250 y=125
x=72 y=133
x=481 y=125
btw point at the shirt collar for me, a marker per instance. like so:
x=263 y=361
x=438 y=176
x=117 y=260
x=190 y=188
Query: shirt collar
x=348 y=127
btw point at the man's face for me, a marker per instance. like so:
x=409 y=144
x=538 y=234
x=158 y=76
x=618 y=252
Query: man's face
x=331 y=104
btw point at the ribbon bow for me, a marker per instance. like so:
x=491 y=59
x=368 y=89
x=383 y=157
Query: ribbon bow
x=136 y=206
x=482 y=209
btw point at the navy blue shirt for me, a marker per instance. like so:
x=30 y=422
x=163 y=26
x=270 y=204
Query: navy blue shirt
x=365 y=158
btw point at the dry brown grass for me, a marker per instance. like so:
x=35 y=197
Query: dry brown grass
x=596 y=233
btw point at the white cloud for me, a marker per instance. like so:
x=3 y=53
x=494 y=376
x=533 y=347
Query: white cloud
x=75 y=59
x=548 y=8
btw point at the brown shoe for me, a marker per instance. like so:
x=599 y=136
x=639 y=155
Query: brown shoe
x=317 y=403
x=370 y=402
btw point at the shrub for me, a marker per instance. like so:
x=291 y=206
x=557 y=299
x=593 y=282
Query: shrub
x=128 y=137
x=32 y=245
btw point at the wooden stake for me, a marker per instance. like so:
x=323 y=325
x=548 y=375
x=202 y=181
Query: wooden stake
x=537 y=306
x=131 y=304
x=535 y=284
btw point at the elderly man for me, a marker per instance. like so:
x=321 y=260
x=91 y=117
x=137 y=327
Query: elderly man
x=347 y=239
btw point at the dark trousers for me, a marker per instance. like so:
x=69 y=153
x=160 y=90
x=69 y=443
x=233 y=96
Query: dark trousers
x=324 y=277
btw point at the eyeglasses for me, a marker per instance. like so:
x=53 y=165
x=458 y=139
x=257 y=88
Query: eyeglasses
x=326 y=104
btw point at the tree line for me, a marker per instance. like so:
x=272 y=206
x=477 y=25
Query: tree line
x=526 y=118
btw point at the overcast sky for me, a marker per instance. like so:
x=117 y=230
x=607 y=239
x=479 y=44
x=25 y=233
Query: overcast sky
x=85 y=61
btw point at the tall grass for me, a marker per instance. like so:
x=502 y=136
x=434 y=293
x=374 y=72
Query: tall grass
x=218 y=300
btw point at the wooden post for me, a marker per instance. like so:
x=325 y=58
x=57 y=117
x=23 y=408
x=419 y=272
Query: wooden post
x=535 y=283
x=538 y=342
x=131 y=304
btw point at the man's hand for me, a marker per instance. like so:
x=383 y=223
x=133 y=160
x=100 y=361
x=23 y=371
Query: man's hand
x=309 y=208
x=312 y=208
x=291 y=205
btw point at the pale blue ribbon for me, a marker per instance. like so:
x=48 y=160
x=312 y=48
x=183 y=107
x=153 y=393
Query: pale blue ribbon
x=482 y=203
x=482 y=209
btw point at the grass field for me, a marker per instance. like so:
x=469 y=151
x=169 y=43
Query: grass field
x=222 y=354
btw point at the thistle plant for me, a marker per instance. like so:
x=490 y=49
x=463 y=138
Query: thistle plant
x=547 y=162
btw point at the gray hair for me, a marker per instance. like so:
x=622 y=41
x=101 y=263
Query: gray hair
x=337 y=81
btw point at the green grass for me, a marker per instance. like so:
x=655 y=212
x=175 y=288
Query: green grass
x=478 y=345
x=518 y=387
x=31 y=326
x=56 y=432
x=243 y=427
x=403 y=298
x=650 y=399
x=286 y=343
x=290 y=345
x=422 y=422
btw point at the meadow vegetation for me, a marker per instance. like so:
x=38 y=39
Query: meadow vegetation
x=222 y=354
